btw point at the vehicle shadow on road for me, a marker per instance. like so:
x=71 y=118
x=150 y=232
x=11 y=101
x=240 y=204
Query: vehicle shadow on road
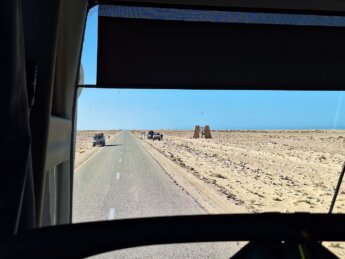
x=113 y=145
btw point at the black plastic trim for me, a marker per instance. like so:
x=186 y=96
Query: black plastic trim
x=93 y=3
x=87 y=239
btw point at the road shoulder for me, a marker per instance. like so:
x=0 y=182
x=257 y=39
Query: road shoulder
x=207 y=196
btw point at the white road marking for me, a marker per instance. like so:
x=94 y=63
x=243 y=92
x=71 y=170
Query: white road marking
x=118 y=175
x=111 y=214
x=120 y=160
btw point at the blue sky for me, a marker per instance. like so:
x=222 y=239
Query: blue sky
x=178 y=109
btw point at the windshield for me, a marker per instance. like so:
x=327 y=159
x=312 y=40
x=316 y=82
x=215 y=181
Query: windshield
x=183 y=152
x=221 y=152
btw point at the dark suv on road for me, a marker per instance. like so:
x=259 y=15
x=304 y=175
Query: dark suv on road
x=98 y=140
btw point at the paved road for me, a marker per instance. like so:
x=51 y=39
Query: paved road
x=123 y=181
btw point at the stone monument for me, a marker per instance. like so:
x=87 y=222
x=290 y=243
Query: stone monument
x=196 y=132
x=207 y=132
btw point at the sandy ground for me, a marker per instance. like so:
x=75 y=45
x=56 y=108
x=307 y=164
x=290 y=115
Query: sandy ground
x=257 y=171
x=285 y=171
x=84 y=149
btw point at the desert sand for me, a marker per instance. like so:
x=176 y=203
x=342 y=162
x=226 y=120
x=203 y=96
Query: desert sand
x=284 y=171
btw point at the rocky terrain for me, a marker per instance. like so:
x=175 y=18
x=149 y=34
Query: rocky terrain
x=285 y=171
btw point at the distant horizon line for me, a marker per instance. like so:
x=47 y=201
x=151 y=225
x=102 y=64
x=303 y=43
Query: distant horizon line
x=296 y=129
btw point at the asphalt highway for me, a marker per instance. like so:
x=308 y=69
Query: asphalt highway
x=121 y=181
